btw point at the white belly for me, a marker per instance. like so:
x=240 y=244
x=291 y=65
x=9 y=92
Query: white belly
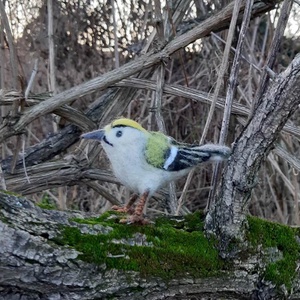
x=132 y=170
x=138 y=176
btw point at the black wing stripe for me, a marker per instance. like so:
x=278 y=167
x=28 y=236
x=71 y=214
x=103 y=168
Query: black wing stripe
x=187 y=158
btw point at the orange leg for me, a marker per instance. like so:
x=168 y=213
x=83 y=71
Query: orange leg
x=127 y=208
x=140 y=206
x=137 y=216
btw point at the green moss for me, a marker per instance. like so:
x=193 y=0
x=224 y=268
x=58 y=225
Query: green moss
x=195 y=221
x=190 y=222
x=168 y=252
x=280 y=239
x=107 y=217
x=10 y=193
x=46 y=203
x=176 y=246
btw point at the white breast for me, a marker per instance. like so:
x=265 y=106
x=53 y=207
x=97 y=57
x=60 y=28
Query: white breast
x=132 y=170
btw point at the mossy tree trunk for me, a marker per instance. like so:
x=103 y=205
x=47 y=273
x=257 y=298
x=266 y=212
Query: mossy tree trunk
x=34 y=263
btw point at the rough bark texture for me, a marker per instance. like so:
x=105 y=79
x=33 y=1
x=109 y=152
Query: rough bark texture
x=279 y=102
x=33 y=266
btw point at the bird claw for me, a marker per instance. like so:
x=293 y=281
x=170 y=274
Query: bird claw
x=135 y=219
x=125 y=209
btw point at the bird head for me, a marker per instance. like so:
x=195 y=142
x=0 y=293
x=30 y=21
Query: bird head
x=121 y=132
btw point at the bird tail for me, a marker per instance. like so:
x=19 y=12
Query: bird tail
x=191 y=156
x=212 y=152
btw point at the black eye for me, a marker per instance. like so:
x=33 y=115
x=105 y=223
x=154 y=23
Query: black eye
x=119 y=133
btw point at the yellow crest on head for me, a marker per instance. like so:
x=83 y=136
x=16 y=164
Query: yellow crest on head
x=128 y=123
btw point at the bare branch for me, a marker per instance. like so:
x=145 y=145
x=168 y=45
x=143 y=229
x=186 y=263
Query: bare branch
x=213 y=23
x=283 y=18
x=223 y=69
x=278 y=104
x=233 y=81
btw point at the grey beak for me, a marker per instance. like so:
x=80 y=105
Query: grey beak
x=94 y=135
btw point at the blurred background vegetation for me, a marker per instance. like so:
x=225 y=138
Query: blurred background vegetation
x=91 y=38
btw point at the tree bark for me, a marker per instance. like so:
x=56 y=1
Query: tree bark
x=227 y=219
x=34 y=266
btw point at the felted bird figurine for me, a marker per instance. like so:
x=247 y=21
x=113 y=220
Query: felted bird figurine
x=144 y=161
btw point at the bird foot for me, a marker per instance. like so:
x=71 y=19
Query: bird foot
x=124 y=209
x=135 y=219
